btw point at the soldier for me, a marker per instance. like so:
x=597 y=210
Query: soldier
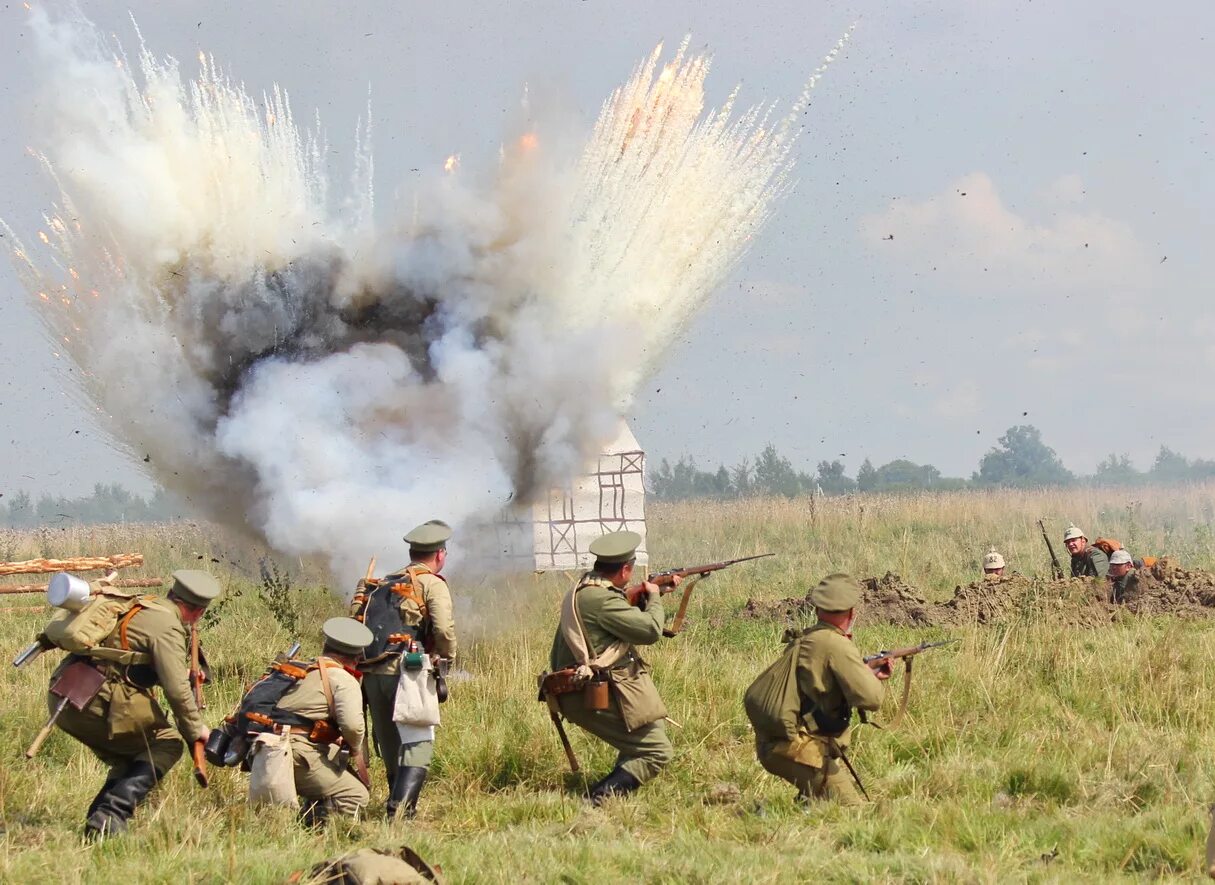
x=1087 y=561
x=1123 y=577
x=322 y=777
x=993 y=564
x=123 y=724
x=831 y=679
x=598 y=633
x=413 y=602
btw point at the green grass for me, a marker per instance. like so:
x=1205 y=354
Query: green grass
x=1033 y=752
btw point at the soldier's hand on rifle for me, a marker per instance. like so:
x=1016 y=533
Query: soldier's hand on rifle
x=206 y=733
x=652 y=590
x=884 y=670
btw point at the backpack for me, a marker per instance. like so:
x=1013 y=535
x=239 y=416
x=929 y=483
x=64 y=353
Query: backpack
x=1108 y=545
x=259 y=711
x=772 y=701
x=82 y=632
x=380 y=612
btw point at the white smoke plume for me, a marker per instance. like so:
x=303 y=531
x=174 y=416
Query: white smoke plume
x=323 y=378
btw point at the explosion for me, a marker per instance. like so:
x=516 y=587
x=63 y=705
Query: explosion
x=320 y=377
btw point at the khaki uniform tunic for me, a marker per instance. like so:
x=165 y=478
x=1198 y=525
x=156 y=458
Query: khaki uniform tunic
x=832 y=677
x=380 y=680
x=124 y=723
x=1092 y=563
x=320 y=770
x=1125 y=587
x=607 y=617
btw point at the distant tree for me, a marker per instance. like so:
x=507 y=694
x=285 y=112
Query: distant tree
x=831 y=478
x=774 y=474
x=21 y=513
x=866 y=477
x=903 y=476
x=1022 y=459
x=1117 y=470
x=1170 y=466
x=740 y=478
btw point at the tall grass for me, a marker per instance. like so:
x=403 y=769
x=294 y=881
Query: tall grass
x=1032 y=752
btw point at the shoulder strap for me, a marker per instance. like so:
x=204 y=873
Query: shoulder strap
x=124 y=622
x=328 y=689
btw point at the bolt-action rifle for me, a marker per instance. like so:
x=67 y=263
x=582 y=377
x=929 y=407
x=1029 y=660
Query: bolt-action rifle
x=906 y=655
x=636 y=594
x=1056 y=569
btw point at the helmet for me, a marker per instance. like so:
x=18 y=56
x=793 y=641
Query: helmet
x=1121 y=557
x=1073 y=531
x=993 y=560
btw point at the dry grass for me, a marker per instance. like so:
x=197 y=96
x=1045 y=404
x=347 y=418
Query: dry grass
x=1032 y=753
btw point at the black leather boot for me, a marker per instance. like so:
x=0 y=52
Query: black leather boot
x=405 y=791
x=113 y=808
x=314 y=813
x=105 y=788
x=618 y=783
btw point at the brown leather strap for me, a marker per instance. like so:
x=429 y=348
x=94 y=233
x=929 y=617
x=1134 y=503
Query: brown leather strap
x=123 y=642
x=327 y=688
x=898 y=717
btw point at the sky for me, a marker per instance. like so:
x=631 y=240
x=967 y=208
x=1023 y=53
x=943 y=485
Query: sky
x=1000 y=215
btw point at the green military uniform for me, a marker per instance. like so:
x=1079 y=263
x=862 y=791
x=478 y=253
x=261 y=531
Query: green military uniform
x=633 y=724
x=1124 y=587
x=1092 y=563
x=124 y=725
x=321 y=773
x=437 y=628
x=831 y=679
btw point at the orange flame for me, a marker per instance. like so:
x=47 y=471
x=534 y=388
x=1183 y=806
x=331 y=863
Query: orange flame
x=529 y=141
x=42 y=236
x=452 y=163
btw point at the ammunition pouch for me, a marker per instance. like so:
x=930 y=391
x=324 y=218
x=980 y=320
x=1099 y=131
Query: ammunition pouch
x=561 y=682
x=831 y=726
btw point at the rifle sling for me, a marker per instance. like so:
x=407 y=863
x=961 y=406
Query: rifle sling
x=902 y=711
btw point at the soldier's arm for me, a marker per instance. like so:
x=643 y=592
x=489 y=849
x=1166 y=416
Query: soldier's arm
x=855 y=678
x=348 y=705
x=170 y=656
x=630 y=623
x=442 y=619
x=1101 y=562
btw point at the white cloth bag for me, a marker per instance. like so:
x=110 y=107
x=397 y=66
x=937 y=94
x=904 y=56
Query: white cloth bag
x=417 y=700
x=272 y=777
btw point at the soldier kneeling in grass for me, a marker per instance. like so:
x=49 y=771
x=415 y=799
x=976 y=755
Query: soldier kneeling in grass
x=801 y=706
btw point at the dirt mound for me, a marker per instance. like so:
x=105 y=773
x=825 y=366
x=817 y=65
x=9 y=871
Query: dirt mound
x=1166 y=588
x=1076 y=601
x=1083 y=602
x=885 y=600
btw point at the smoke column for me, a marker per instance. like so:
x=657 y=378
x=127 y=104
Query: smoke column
x=322 y=378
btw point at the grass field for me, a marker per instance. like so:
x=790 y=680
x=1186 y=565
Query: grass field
x=1031 y=753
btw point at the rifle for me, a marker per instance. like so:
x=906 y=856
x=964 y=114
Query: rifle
x=1055 y=568
x=907 y=655
x=196 y=680
x=636 y=594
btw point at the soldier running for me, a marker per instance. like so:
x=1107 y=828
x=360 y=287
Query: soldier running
x=123 y=724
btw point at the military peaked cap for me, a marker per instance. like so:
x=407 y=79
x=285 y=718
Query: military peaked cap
x=346 y=636
x=429 y=536
x=194 y=587
x=1121 y=557
x=836 y=593
x=615 y=547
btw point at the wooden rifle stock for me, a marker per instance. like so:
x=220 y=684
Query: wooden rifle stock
x=882 y=658
x=200 y=762
x=554 y=713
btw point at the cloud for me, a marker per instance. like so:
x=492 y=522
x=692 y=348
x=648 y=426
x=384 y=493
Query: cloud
x=971 y=239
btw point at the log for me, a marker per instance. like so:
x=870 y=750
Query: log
x=121 y=582
x=75 y=564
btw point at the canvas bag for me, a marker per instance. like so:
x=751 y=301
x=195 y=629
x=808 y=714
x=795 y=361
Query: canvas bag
x=772 y=701
x=272 y=771
x=83 y=632
x=417 y=698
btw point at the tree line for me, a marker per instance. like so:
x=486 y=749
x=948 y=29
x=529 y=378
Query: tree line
x=1020 y=459
x=108 y=503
